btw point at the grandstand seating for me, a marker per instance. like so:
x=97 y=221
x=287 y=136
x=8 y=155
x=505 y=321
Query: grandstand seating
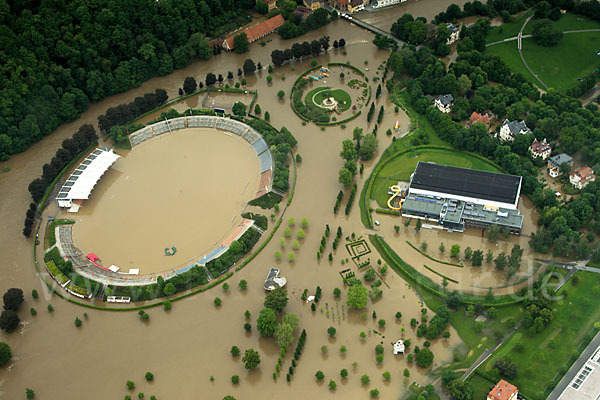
x=140 y=136
x=177 y=123
x=201 y=122
x=260 y=146
x=266 y=161
x=160 y=128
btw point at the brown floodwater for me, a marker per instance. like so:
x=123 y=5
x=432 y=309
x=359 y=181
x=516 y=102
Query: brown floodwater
x=185 y=189
x=191 y=342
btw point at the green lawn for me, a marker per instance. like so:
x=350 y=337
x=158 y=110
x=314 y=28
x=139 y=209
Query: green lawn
x=540 y=367
x=509 y=53
x=481 y=386
x=505 y=31
x=560 y=66
x=344 y=100
x=569 y=22
x=403 y=166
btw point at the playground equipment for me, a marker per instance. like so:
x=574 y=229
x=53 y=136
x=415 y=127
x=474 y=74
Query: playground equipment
x=397 y=126
x=171 y=251
x=397 y=191
x=324 y=69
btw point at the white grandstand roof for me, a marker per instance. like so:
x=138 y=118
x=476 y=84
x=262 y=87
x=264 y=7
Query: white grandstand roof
x=82 y=181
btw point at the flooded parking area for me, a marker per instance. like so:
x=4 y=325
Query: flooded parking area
x=184 y=190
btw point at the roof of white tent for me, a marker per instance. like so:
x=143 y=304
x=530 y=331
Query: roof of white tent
x=82 y=181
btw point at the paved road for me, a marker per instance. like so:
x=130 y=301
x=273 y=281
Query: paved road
x=574 y=370
x=486 y=354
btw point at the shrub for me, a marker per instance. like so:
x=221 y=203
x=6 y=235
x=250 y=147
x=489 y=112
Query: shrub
x=300 y=234
x=33 y=311
x=5 y=353
x=247 y=327
x=324 y=349
x=235 y=379
x=217 y=301
x=398 y=315
x=374 y=393
x=167 y=305
x=30 y=393
x=365 y=379
x=225 y=286
x=34 y=294
x=280 y=94
x=337 y=292
x=344 y=373
x=235 y=351
x=424 y=358
x=363 y=335
x=381 y=323
x=332 y=384
x=149 y=376
x=331 y=331
x=387 y=376
x=50 y=308
x=130 y=385
x=77 y=322
x=243 y=284
x=319 y=375
x=379 y=358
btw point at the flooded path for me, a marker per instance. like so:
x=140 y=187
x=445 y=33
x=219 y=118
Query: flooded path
x=187 y=345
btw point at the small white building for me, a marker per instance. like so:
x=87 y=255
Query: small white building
x=510 y=129
x=454 y=33
x=540 y=149
x=581 y=177
x=399 y=347
x=385 y=3
x=444 y=103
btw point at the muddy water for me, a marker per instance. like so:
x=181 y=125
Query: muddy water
x=470 y=279
x=191 y=199
x=384 y=18
x=187 y=345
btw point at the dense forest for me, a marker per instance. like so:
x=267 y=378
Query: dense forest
x=56 y=57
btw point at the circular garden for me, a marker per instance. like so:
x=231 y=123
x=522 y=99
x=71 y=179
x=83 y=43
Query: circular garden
x=330 y=95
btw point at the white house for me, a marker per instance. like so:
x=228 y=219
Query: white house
x=510 y=129
x=581 y=177
x=540 y=149
x=454 y=33
x=385 y=3
x=444 y=103
x=399 y=347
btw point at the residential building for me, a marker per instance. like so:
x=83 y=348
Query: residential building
x=503 y=391
x=312 y=4
x=340 y=5
x=459 y=198
x=581 y=177
x=540 y=149
x=302 y=12
x=444 y=103
x=272 y=4
x=556 y=161
x=355 y=6
x=385 y=3
x=454 y=33
x=476 y=118
x=510 y=129
x=586 y=384
x=257 y=31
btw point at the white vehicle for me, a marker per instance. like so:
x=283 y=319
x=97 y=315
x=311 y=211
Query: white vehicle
x=557 y=193
x=377 y=223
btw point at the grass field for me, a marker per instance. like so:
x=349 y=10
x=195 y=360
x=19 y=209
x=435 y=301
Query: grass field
x=320 y=94
x=505 y=31
x=540 y=366
x=403 y=166
x=480 y=385
x=560 y=66
x=557 y=66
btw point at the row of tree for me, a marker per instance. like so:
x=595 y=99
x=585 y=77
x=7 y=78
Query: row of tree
x=71 y=147
x=124 y=113
x=301 y=50
x=295 y=25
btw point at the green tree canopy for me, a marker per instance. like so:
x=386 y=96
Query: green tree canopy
x=251 y=359
x=5 y=353
x=240 y=43
x=239 y=109
x=284 y=334
x=357 y=296
x=266 y=322
x=277 y=300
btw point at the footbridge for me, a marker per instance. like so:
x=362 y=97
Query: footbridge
x=371 y=28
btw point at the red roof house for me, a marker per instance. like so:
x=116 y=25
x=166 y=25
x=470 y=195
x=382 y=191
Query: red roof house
x=257 y=31
x=503 y=391
x=476 y=117
x=540 y=149
x=581 y=177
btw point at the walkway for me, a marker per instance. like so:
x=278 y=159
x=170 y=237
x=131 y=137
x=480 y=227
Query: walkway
x=519 y=38
x=486 y=354
x=574 y=370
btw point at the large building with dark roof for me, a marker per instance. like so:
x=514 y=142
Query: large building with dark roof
x=459 y=197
